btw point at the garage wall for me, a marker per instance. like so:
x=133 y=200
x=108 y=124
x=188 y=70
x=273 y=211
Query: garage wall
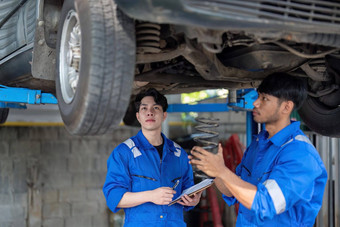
x=50 y=178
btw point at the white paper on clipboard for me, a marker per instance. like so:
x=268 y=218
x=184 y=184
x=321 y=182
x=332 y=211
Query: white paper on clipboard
x=194 y=189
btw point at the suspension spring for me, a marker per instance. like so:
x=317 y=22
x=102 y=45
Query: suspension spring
x=206 y=139
x=148 y=37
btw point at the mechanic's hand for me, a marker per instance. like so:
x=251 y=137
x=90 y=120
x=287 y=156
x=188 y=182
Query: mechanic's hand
x=192 y=200
x=211 y=164
x=162 y=195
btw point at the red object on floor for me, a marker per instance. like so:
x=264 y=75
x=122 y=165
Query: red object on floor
x=232 y=152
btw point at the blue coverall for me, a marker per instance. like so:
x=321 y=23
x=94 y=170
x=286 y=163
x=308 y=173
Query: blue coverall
x=290 y=178
x=135 y=166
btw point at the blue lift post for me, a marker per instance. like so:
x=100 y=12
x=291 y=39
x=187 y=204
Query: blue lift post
x=18 y=97
x=245 y=99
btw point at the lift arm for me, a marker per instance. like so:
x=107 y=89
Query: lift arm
x=11 y=97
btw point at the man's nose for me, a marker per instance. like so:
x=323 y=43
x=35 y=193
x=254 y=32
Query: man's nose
x=150 y=112
x=256 y=103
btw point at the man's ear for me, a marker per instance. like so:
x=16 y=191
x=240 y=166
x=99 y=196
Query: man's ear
x=288 y=107
x=165 y=115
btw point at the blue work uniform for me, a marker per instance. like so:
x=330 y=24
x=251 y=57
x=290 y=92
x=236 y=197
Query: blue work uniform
x=290 y=178
x=135 y=166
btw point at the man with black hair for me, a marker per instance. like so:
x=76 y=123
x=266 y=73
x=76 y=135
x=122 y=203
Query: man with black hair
x=147 y=170
x=281 y=178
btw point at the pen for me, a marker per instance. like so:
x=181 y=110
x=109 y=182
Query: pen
x=175 y=185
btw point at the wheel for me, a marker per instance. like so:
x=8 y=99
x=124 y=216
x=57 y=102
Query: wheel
x=3 y=115
x=320 y=118
x=95 y=65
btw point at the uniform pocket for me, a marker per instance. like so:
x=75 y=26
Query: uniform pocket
x=264 y=176
x=145 y=177
x=245 y=172
x=143 y=183
x=175 y=179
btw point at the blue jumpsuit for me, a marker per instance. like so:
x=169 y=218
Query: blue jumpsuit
x=290 y=178
x=135 y=166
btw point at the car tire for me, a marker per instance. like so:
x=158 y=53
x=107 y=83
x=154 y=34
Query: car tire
x=95 y=65
x=319 y=118
x=3 y=115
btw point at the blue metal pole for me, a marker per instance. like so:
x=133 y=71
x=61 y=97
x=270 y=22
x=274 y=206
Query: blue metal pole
x=249 y=124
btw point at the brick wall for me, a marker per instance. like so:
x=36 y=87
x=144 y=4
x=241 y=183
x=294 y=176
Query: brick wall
x=50 y=178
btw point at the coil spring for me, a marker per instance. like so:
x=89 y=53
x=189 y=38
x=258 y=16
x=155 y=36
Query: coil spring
x=148 y=38
x=206 y=139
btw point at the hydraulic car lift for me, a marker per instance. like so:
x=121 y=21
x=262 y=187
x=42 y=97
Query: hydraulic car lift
x=240 y=100
x=18 y=97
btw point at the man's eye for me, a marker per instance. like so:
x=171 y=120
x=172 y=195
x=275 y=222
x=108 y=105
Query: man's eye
x=264 y=98
x=156 y=107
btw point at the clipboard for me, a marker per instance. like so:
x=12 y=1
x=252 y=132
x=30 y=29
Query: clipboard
x=194 y=189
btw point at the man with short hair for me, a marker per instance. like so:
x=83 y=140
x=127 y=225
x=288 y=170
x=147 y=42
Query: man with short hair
x=281 y=178
x=147 y=170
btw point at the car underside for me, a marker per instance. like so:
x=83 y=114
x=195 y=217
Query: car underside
x=188 y=46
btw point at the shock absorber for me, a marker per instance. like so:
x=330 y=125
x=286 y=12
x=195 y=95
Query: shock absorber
x=207 y=139
x=148 y=37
